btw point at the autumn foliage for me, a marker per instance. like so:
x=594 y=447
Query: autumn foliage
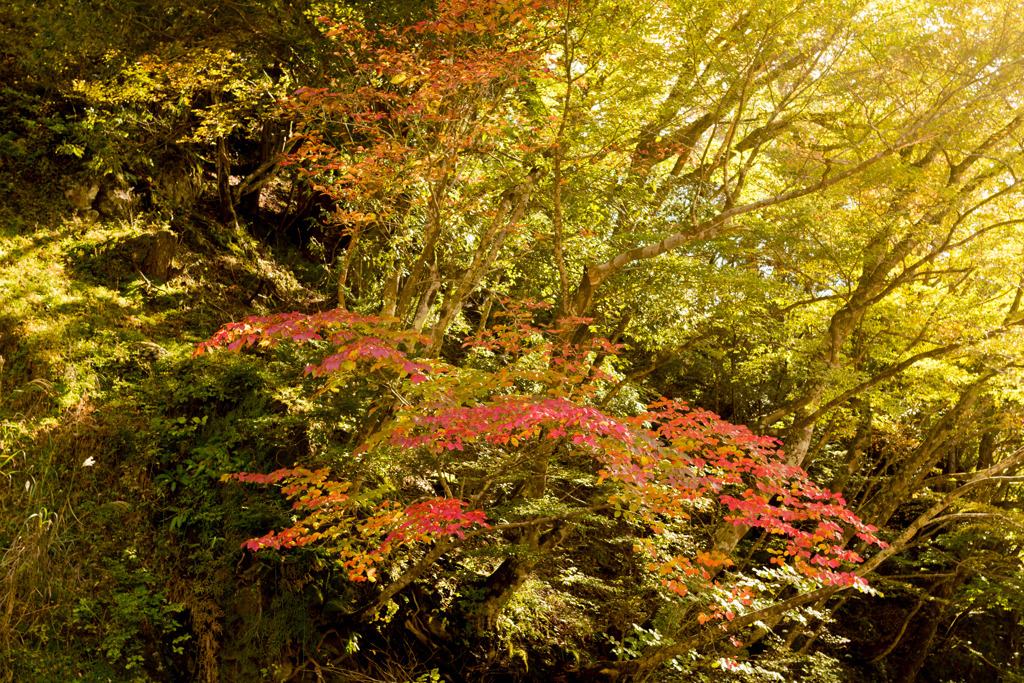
x=802 y=217
x=416 y=98
x=661 y=463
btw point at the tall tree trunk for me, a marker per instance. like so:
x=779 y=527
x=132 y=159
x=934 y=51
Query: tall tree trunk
x=227 y=202
x=920 y=644
x=510 y=211
x=513 y=572
x=426 y=299
x=432 y=231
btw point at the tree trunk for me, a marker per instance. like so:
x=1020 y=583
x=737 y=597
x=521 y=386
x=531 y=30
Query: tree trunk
x=510 y=211
x=227 y=204
x=914 y=469
x=860 y=443
x=274 y=144
x=920 y=645
x=432 y=232
x=513 y=572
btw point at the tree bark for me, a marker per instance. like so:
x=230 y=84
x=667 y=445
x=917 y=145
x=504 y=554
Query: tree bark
x=227 y=202
x=920 y=644
x=914 y=469
x=513 y=572
x=515 y=569
x=510 y=211
x=637 y=668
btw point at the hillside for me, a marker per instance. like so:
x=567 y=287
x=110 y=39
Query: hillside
x=510 y=341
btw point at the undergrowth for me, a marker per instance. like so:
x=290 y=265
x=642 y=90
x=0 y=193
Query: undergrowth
x=120 y=553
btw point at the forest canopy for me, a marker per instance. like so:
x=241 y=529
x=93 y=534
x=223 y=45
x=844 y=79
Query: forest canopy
x=574 y=339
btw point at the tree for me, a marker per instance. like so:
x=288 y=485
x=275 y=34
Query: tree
x=586 y=155
x=473 y=433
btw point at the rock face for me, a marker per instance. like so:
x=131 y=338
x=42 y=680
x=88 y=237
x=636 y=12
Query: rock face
x=178 y=186
x=147 y=352
x=82 y=196
x=117 y=203
x=153 y=254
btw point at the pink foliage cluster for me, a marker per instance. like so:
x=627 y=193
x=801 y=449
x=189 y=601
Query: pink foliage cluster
x=660 y=460
x=442 y=516
x=352 y=334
